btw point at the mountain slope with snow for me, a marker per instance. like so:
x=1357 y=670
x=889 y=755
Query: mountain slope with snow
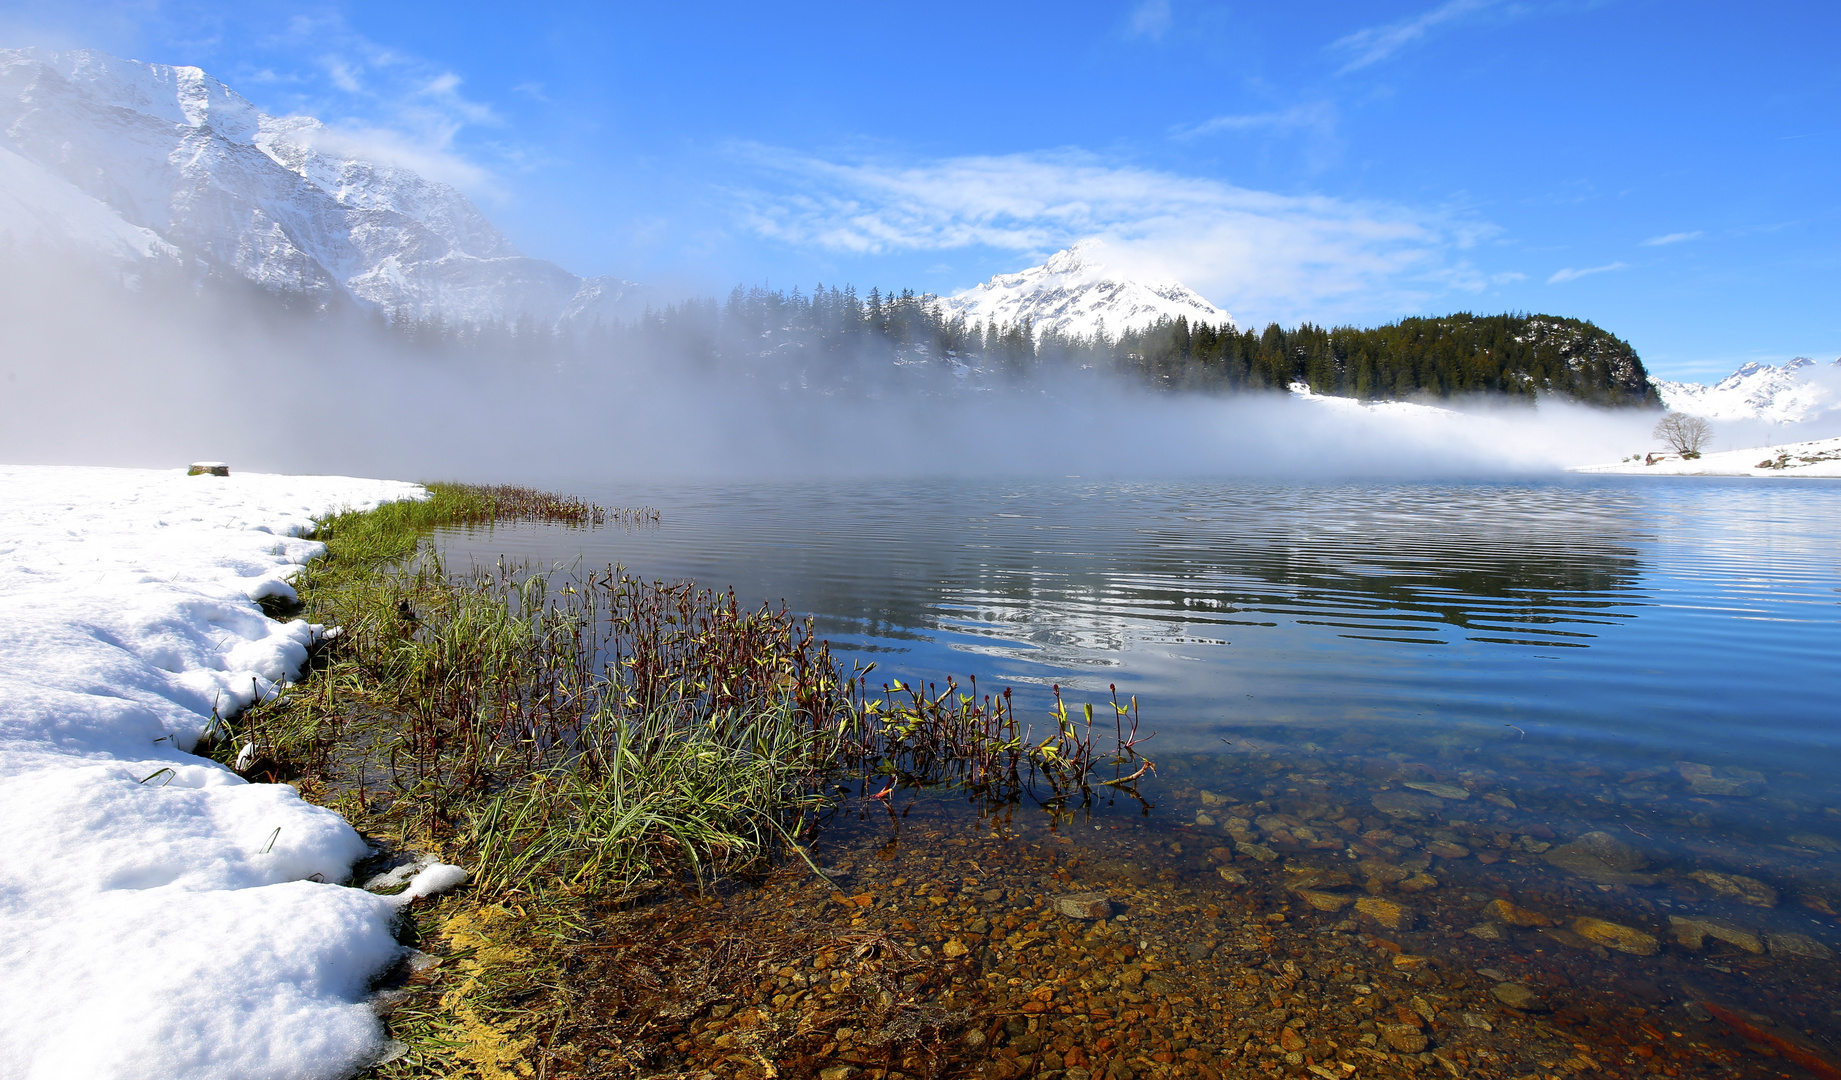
x=1799 y=390
x=1075 y=294
x=152 y=163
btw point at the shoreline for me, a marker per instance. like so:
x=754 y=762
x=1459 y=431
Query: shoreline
x=1808 y=459
x=1342 y=926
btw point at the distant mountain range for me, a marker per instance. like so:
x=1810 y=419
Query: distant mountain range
x=140 y=164
x=1076 y=295
x=1799 y=390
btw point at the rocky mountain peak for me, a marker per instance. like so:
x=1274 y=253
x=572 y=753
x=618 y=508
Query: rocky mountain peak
x=1076 y=294
x=129 y=160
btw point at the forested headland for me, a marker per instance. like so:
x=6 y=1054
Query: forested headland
x=835 y=338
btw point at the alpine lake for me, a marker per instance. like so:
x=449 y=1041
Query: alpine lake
x=1531 y=779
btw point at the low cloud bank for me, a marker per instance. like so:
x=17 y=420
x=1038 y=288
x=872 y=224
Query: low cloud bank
x=95 y=374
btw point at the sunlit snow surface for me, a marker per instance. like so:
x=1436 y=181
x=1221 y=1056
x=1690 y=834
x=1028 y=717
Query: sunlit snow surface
x=166 y=922
x=1812 y=457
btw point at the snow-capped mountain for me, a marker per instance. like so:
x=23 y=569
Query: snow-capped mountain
x=142 y=163
x=1074 y=294
x=1793 y=392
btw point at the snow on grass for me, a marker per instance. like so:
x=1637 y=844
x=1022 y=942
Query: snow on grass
x=1816 y=457
x=158 y=914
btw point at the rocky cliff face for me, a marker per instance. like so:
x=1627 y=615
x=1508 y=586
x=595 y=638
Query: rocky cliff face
x=138 y=161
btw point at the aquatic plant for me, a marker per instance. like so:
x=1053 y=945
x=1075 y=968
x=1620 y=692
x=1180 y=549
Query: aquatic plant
x=599 y=730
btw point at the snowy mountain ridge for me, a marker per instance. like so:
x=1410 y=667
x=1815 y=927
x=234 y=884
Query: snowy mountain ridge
x=139 y=162
x=1076 y=295
x=1789 y=393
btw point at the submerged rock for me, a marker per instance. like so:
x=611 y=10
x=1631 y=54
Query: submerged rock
x=1692 y=934
x=1625 y=939
x=1800 y=946
x=1601 y=858
x=1325 y=901
x=1443 y=791
x=1516 y=996
x=1512 y=914
x=1707 y=780
x=1738 y=887
x=1406 y=805
x=1816 y=841
x=1388 y=914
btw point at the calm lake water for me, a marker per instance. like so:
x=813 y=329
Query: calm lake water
x=1650 y=620
x=1601 y=699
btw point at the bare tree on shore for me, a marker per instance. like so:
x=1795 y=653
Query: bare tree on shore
x=1684 y=434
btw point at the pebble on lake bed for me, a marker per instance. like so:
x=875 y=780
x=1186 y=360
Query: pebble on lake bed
x=1406 y=1038
x=1443 y=791
x=1406 y=805
x=1090 y=905
x=1516 y=996
x=1512 y=914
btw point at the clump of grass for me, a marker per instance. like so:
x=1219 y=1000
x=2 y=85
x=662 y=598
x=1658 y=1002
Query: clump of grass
x=647 y=796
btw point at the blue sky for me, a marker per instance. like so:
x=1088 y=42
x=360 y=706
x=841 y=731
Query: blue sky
x=1669 y=170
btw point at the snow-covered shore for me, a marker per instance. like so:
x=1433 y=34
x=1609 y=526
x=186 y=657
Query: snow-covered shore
x=158 y=914
x=1817 y=457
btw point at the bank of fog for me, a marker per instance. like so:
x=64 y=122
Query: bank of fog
x=160 y=375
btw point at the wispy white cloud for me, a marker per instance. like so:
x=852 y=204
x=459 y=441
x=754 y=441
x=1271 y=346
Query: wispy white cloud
x=1671 y=238
x=1377 y=43
x=1570 y=274
x=1319 y=116
x=1256 y=252
x=1149 y=19
x=383 y=103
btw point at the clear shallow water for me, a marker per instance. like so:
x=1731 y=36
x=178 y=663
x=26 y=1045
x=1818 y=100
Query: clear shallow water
x=1694 y=619
x=1381 y=710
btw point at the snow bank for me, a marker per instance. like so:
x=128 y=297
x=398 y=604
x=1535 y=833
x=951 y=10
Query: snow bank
x=1816 y=457
x=158 y=914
